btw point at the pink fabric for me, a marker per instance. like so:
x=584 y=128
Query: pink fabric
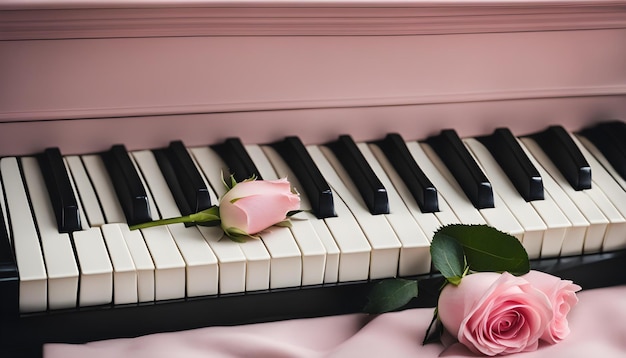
x=598 y=326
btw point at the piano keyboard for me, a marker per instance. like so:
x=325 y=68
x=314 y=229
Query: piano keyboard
x=67 y=253
x=73 y=247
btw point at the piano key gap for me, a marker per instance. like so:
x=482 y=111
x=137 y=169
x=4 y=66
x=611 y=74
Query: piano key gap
x=91 y=182
x=7 y=214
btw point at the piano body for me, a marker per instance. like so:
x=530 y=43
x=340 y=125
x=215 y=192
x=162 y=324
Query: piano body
x=82 y=76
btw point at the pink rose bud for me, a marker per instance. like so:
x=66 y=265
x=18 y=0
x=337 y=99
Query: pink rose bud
x=493 y=313
x=253 y=206
x=562 y=296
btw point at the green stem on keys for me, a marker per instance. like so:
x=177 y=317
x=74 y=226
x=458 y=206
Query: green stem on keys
x=208 y=217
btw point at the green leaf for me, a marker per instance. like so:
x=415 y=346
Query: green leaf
x=284 y=223
x=235 y=236
x=488 y=249
x=390 y=294
x=206 y=215
x=455 y=280
x=238 y=235
x=448 y=257
x=293 y=212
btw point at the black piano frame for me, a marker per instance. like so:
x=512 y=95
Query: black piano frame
x=25 y=334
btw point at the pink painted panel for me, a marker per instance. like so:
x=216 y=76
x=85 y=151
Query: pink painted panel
x=152 y=76
x=312 y=125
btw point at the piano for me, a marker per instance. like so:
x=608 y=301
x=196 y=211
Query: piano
x=96 y=92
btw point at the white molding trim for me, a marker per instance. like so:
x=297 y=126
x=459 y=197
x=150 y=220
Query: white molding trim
x=39 y=19
x=207 y=108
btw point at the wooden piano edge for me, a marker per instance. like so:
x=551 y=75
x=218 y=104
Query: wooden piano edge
x=109 y=321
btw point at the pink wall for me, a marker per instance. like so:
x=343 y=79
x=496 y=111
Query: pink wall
x=84 y=94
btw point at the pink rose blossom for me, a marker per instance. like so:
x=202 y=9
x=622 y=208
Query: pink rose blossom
x=493 y=313
x=562 y=296
x=253 y=206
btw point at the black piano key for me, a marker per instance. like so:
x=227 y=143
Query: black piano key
x=128 y=186
x=9 y=277
x=189 y=178
x=172 y=181
x=64 y=202
x=563 y=152
x=467 y=173
x=610 y=139
x=371 y=189
x=234 y=154
x=314 y=185
x=419 y=185
x=509 y=154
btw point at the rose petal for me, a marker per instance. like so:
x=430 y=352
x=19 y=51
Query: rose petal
x=562 y=296
x=256 y=187
x=264 y=211
x=458 y=300
x=253 y=206
x=495 y=314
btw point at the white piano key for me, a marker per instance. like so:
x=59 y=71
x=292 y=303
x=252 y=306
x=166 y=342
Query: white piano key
x=257 y=257
x=429 y=222
x=93 y=171
x=5 y=217
x=286 y=265
x=558 y=220
x=534 y=227
x=155 y=183
x=231 y=260
x=30 y=263
x=201 y=263
x=258 y=263
x=452 y=194
x=385 y=246
x=169 y=268
x=104 y=189
x=86 y=193
x=415 y=250
x=616 y=228
x=144 y=267
x=202 y=268
x=312 y=249
x=84 y=223
x=154 y=211
x=615 y=237
x=578 y=207
x=354 y=257
x=57 y=249
x=309 y=247
x=499 y=216
x=124 y=271
x=331 y=265
x=604 y=162
x=96 y=271
x=445 y=215
x=332 y=252
x=559 y=225
x=606 y=215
